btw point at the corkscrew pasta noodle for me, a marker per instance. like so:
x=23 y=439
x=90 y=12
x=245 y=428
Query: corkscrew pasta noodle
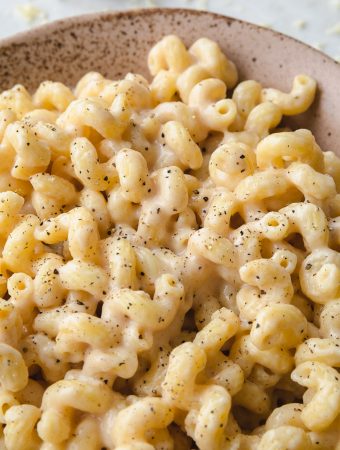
x=170 y=267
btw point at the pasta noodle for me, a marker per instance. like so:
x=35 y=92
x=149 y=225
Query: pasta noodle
x=170 y=268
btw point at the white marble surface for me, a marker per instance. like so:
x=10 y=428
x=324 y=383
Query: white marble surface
x=316 y=22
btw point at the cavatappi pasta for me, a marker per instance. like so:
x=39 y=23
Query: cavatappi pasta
x=170 y=269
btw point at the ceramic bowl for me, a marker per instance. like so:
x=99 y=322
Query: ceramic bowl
x=116 y=43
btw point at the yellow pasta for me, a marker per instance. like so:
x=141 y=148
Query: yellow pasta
x=170 y=268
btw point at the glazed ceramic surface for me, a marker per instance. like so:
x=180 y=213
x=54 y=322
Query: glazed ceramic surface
x=116 y=43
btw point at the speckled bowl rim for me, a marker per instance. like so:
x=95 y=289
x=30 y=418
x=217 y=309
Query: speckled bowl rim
x=272 y=48
x=58 y=24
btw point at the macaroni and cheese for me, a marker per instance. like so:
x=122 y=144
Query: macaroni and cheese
x=170 y=267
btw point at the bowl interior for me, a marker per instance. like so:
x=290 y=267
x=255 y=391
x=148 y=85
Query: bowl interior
x=117 y=43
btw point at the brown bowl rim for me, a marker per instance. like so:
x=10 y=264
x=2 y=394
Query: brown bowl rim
x=57 y=25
